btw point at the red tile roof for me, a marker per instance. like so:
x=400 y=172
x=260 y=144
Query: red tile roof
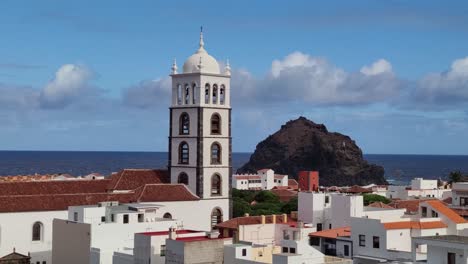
x=333 y=233
x=166 y=193
x=357 y=189
x=285 y=195
x=380 y=205
x=293 y=183
x=130 y=179
x=414 y=225
x=441 y=208
x=53 y=187
x=411 y=206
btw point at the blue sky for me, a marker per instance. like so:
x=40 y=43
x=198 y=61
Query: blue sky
x=93 y=75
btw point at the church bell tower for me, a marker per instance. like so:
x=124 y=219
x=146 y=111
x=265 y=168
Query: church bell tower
x=200 y=126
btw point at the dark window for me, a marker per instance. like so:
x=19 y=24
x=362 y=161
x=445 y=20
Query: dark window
x=292 y=250
x=187 y=94
x=112 y=218
x=434 y=214
x=327 y=199
x=141 y=218
x=215 y=153
x=194 y=99
x=451 y=258
x=184 y=124
x=314 y=241
x=222 y=92
x=319 y=227
x=463 y=201
x=362 y=240
x=244 y=252
x=329 y=226
x=215 y=124
x=43 y=262
x=75 y=216
x=167 y=216
x=216 y=185
x=376 y=242
x=424 y=211
x=183 y=178
x=125 y=219
x=183 y=153
x=215 y=94
x=163 y=250
x=216 y=217
x=346 y=250
x=37 y=231
x=285 y=250
x=103 y=219
x=207 y=94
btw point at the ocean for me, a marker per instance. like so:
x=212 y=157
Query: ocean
x=399 y=169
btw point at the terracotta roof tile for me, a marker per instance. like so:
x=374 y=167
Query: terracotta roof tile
x=333 y=233
x=357 y=189
x=52 y=187
x=285 y=195
x=411 y=206
x=441 y=208
x=414 y=225
x=130 y=179
x=166 y=193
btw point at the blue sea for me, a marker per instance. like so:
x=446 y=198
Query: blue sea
x=399 y=169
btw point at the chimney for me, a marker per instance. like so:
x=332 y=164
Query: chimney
x=285 y=218
x=273 y=219
x=263 y=219
x=172 y=233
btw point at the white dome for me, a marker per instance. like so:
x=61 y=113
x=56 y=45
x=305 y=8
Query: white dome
x=201 y=61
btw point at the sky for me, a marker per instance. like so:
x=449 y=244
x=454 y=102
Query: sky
x=94 y=75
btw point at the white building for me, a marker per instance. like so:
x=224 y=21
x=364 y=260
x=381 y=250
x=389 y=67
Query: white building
x=448 y=249
x=419 y=188
x=265 y=179
x=460 y=194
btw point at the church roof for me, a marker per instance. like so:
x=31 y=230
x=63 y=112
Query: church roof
x=15 y=256
x=201 y=61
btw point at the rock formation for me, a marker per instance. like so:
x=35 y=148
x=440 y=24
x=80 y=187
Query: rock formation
x=304 y=145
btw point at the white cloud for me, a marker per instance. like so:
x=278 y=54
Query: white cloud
x=70 y=82
x=149 y=94
x=378 y=67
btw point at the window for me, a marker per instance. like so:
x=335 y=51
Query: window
x=424 y=211
x=75 y=216
x=184 y=124
x=292 y=250
x=215 y=153
x=194 y=99
x=141 y=218
x=327 y=199
x=244 y=252
x=376 y=242
x=285 y=250
x=207 y=93
x=434 y=214
x=329 y=226
x=167 y=216
x=37 y=231
x=362 y=240
x=314 y=241
x=222 y=95
x=463 y=201
x=215 y=124
x=285 y=235
x=187 y=94
x=346 y=250
x=103 y=219
x=216 y=217
x=163 y=250
x=215 y=94
x=216 y=185
x=43 y=262
x=179 y=94
x=125 y=218
x=183 y=153
x=183 y=178
x=319 y=227
x=112 y=218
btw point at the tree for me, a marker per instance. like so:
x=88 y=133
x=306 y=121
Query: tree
x=455 y=176
x=266 y=197
x=289 y=206
x=371 y=198
x=240 y=207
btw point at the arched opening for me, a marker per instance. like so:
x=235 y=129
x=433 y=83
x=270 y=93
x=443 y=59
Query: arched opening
x=216 y=217
x=37 y=231
x=207 y=93
x=187 y=94
x=184 y=124
x=215 y=153
x=215 y=124
x=183 y=153
x=215 y=94
x=216 y=184
x=222 y=94
x=183 y=178
x=194 y=98
x=167 y=216
x=179 y=94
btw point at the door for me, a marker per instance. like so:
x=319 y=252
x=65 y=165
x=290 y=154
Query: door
x=450 y=258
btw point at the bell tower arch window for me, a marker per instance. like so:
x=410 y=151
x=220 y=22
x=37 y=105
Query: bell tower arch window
x=215 y=185
x=187 y=94
x=216 y=217
x=207 y=93
x=184 y=124
x=222 y=94
x=183 y=178
x=183 y=153
x=179 y=94
x=215 y=153
x=37 y=231
x=194 y=98
x=215 y=94
x=215 y=124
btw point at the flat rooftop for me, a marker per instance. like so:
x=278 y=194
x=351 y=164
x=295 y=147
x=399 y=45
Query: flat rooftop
x=448 y=238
